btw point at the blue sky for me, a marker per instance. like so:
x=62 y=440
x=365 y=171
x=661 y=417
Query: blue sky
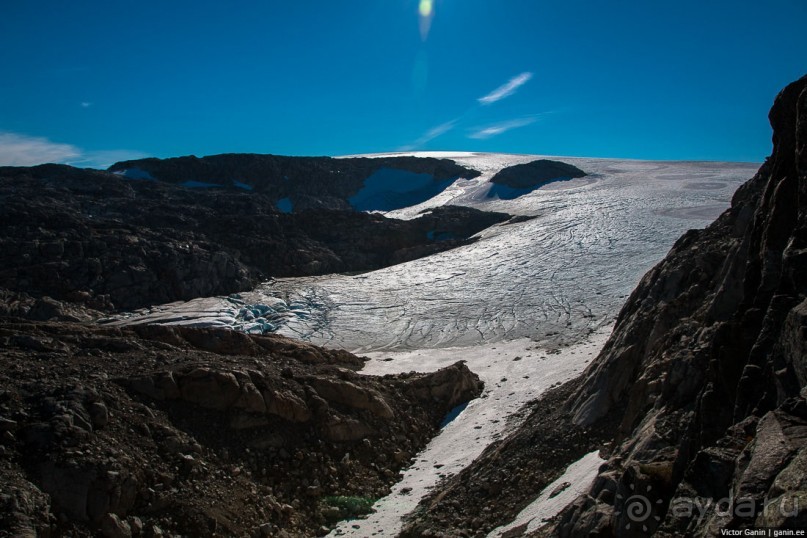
x=90 y=82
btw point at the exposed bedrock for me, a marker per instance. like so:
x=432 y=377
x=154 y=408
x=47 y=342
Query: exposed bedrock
x=700 y=389
x=706 y=365
x=533 y=174
x=151 y=429
x=305 y=182
x=521 y=179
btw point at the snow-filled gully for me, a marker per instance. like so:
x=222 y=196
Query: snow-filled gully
x=514 y=373
x=528 y=305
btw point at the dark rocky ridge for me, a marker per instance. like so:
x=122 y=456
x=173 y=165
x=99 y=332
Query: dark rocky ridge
x=700 y=389
x=90 y=237
x=151 y=430
x=309 y=182
x=535 y=173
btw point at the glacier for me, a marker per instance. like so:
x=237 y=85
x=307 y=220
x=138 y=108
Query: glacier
x=527 y=305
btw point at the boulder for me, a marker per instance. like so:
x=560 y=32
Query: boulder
x=347 y=393
x=210 y=389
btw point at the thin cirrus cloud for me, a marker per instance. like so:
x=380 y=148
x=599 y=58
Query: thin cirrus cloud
x=507 y=89
x=24 y=150
x=483 y=133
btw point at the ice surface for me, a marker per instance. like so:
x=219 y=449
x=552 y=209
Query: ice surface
x=505 y=192
x=285 y=205
x=574 y=482
x=199 y=184
x=555 y=277
x=242 y=185
x=389 y=189
x=253 y=313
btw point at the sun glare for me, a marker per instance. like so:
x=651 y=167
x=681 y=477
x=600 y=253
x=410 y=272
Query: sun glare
x=426 y=11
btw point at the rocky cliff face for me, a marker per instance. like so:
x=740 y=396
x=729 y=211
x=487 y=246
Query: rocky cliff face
x=706 y=366
x=697 y=399
x=93 y=238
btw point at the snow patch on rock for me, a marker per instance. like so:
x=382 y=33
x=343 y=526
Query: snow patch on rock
x=514 y=374
x=135 y=173
x=574 y=482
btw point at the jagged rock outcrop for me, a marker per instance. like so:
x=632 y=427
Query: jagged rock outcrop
x=91 y=238
x=152 y=430
x=306 y=182
x=697 y=399
x=705 y=365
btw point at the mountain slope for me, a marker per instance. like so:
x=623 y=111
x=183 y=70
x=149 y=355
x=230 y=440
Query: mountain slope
x=706 y=367
x=697 y=397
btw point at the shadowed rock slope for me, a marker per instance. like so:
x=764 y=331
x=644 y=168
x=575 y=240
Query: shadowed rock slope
x=697 y=399
x=90 y=237
x=154 y=431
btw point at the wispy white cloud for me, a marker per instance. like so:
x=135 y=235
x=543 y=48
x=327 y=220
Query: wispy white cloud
x=86 y=104
x=482 y=133
x=506 y=89
x=23 y=150
x=430 y=135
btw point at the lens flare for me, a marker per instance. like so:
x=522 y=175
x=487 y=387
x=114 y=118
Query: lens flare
x=426 y=12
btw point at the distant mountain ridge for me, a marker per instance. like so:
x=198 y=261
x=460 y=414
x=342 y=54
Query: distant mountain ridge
x=98 y=239
x=306 y=182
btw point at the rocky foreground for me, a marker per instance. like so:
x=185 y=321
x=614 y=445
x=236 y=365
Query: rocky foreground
x=158 y=431
x=698 y=398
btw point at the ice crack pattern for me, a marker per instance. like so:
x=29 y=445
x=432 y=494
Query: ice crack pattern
x=561 y=272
